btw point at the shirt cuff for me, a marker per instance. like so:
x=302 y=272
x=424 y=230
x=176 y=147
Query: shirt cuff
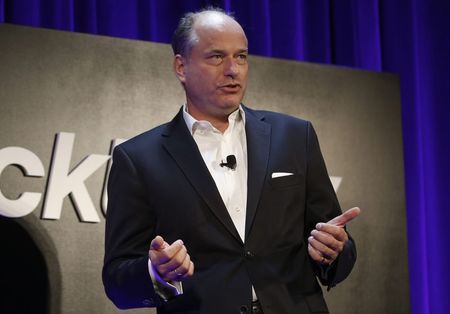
x=166 y=290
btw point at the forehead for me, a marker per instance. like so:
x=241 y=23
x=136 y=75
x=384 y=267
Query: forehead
x=215 y=29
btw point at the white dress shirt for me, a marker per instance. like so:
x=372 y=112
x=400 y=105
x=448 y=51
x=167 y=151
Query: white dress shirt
x=214 y=147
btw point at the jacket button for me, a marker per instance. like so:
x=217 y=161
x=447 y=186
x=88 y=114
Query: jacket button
x=249 y=254
x=243 y=309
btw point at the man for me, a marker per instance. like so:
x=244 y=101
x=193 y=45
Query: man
x=243 y=194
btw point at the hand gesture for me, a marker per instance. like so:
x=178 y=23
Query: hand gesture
x=328 y=239
x=172 y=262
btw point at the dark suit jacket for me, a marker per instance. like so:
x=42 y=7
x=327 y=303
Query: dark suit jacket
x=159 y=185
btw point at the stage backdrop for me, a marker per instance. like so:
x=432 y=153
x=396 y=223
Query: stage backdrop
x=66 y=98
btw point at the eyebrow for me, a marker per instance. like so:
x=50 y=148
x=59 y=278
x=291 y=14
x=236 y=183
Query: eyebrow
x=223 y=52
x=243 y=50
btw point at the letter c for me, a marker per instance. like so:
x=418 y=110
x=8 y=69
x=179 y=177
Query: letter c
x=31 y=166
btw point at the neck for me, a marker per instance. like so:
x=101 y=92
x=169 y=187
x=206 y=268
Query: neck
x=220 y=121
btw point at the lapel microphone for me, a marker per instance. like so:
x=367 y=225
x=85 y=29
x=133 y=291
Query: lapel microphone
x=231 y=162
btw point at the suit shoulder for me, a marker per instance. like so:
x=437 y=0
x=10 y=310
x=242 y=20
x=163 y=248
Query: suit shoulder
x=273 y=117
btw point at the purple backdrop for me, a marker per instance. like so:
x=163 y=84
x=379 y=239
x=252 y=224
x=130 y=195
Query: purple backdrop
x=406 y=37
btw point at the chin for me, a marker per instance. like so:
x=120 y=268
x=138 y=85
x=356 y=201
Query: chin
x=232 y=103
x=229 y=108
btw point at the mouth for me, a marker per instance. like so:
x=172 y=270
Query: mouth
x=230 y=88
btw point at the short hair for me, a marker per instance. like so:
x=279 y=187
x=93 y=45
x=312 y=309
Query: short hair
x=183 y=38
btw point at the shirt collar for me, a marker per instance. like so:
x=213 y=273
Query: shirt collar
x=193 y=123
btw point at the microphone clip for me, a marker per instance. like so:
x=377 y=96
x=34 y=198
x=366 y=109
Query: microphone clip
x=230 y=163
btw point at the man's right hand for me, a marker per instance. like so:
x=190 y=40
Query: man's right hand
x=172 y=262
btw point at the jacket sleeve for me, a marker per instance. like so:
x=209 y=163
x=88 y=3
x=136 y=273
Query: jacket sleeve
x=130 y=224
x=321 y=206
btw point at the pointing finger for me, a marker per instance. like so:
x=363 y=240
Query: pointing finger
x=345 y=217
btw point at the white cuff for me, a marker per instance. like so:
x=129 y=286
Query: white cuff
x=166 y=290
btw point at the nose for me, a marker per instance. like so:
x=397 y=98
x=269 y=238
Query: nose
x=231 y=68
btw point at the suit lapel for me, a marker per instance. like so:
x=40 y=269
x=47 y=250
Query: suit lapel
x=182 y=147
x=258 y=147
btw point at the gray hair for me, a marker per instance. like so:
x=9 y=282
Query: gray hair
x=184 y=37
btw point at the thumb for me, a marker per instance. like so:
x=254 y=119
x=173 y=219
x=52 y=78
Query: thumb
x=345 y=217
x=158 y=243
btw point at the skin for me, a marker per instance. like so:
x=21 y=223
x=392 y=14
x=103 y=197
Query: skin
x=214 y=77
x=214 y=74
x=327 y=240
x=172 y=262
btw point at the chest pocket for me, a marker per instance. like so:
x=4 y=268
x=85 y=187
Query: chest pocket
x=286 y=181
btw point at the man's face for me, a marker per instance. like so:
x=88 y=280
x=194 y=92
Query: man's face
x=215 y=72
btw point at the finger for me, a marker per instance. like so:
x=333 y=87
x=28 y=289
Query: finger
x=318 y=257
x=184 y=267
x=173 y=262
x=345 y=217
x=315 y=255
x=323 y=250
x=158 y=243
x=190 y=272
x=165 y=255
x=328 y=239
x=180 y=272
x=174 y=248
x=333 y=232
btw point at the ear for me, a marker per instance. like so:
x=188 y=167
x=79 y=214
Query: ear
x=179 y=67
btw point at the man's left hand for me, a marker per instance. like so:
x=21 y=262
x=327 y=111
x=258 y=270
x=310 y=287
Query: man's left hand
x=328 y=239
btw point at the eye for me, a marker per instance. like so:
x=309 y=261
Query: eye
x=241 y=58
x=215 y=59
